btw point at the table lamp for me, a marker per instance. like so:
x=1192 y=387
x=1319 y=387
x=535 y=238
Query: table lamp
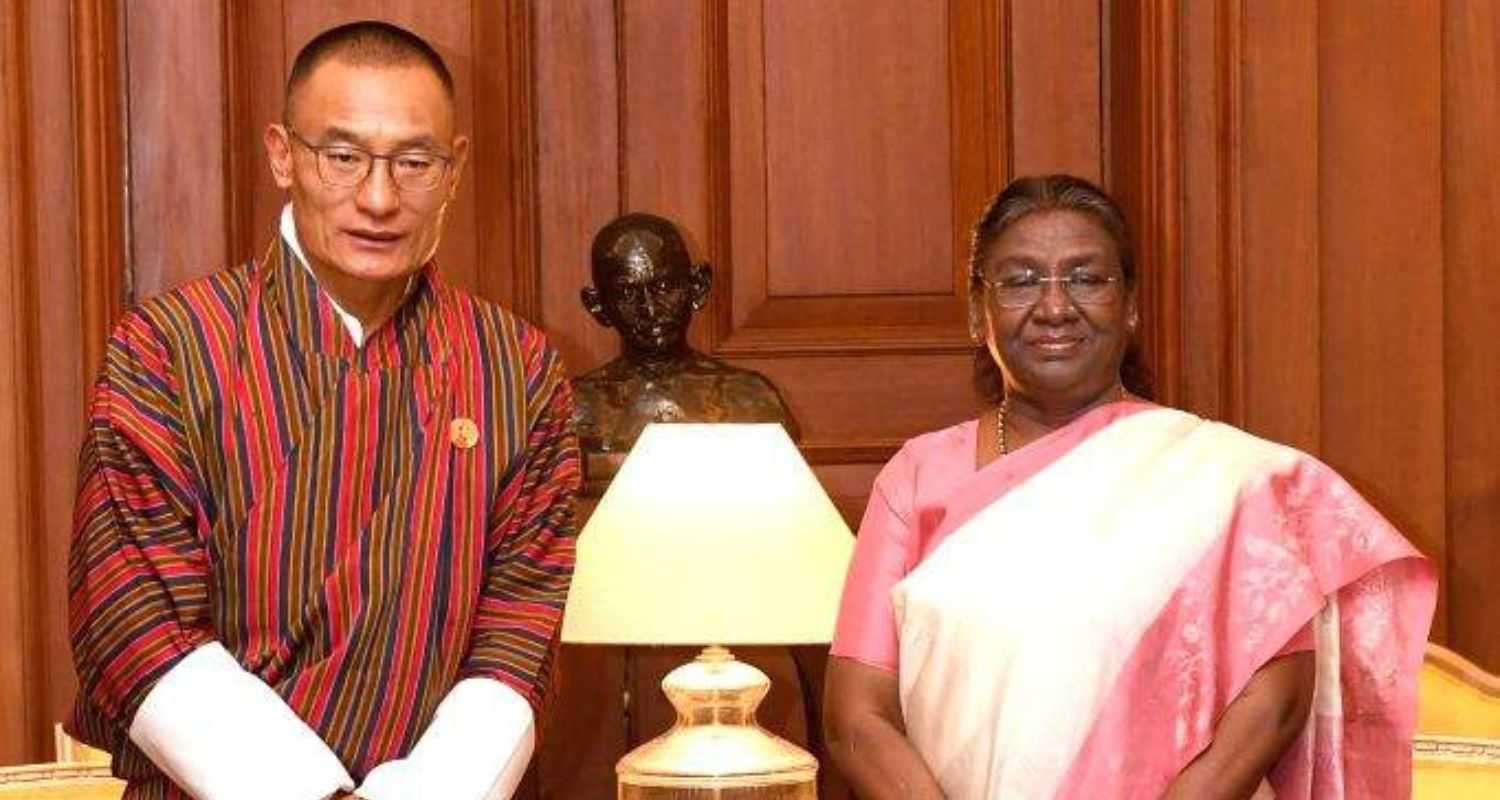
x=711 y=534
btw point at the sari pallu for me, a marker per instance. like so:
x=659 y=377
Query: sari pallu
x=1090 y=610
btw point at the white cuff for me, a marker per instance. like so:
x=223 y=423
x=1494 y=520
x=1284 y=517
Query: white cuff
x=476 y=748
x=221 y=733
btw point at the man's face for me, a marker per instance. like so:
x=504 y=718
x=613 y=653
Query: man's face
x=374 y=231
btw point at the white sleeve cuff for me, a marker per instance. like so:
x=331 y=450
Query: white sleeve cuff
x=477 y=748
x=221 y=733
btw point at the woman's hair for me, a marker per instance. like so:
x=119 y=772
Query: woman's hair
x=1032 y=195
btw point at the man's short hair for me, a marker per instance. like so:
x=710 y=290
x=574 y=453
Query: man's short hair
x=366 y=43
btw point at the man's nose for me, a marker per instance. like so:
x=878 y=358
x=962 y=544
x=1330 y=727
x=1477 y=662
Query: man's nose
x=378 y=194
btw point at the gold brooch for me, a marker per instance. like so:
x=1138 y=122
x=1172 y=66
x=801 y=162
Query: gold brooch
x=463 y=433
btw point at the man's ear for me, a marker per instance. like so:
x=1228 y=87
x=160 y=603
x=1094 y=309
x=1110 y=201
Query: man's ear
x=589 y=296
x=460 y=158
x=279 y=153
x=701 y=282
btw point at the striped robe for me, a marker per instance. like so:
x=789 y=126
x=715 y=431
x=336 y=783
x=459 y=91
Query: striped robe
x=250 y=476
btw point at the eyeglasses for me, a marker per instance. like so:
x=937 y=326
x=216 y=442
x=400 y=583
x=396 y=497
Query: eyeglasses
x=345 y=165
x=1024 y=289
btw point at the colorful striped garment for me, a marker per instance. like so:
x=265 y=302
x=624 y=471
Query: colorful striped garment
x=251 y=477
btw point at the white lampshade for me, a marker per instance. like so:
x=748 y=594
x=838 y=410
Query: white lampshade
x=710 y=534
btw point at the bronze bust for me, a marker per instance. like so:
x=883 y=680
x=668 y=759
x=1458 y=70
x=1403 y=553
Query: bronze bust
x=646 y=287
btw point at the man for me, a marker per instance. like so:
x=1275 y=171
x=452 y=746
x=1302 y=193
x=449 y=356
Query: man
x=324 y=531
x=646 y=287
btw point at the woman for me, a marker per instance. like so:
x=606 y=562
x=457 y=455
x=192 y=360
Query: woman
x=1082 y=594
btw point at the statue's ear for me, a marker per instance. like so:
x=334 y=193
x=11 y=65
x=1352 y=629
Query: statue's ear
x=701 y=281
x=589 y=296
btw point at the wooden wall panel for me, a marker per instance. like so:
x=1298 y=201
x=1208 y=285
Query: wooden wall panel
x=18 y=674
x=863 y=150
x=60 y=374
x=1275 y=368
x=256 y=59
x=1056 y=75
x=577 y=165
x=1210 y=224
x=1143 y=171
x=1471 y=216
x=42 y=364
x=177 y=168
x=1381 y=319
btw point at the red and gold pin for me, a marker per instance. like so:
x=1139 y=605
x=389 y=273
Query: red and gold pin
x=463 y=433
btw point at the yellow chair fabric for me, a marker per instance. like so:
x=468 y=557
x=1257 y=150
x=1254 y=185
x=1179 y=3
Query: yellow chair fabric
x=57 y=781
x=1456 y=753
x=80 y=773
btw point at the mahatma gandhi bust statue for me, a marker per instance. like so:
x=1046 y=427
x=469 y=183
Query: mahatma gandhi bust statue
x=647 y=287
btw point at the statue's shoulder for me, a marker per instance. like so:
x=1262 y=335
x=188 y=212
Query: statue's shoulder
x=613 y=373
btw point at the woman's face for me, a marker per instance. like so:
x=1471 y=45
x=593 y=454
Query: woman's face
x=1057 y=350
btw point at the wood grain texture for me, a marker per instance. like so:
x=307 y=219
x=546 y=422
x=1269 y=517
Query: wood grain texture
x=18 y=574
x=99 y=158
x=577 y=165
x=1471 y=216
x=1211 y=222
x=1143 y=171
x=1381 y=319
x=1056 y=74
x=783 y=118
x=60 y=373
x=1275 y=363
x=256 y=59
x=503 y=161
x=41 y=364
x=863 y=149
x=175 y=107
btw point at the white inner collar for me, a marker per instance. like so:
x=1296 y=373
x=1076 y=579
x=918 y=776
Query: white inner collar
x=289 y=233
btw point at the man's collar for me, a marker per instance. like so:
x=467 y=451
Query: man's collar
x=289 y=233
x=351 y=323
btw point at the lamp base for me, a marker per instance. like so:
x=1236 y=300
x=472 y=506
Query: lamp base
x=716 y=750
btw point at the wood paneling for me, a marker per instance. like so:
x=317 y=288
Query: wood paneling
x=863 y=150
x=59 y=372
x=577 y=164
x=1471 y=216
x=1382 y=137
x=776 y=118
x=1056 y=70
x=177 y=171
x=42 y=362
x=1272 y=268
x=1143 y=171
x=17 y=450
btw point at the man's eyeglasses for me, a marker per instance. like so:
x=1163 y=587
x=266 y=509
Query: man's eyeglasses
x=1023 y=288
x=345 y=165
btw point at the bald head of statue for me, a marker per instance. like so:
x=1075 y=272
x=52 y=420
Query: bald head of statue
x=646 y=286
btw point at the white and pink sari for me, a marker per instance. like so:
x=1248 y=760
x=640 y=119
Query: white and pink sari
x=1074 y=619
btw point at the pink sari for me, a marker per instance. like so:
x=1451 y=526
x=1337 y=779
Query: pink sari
x=1075 y=617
